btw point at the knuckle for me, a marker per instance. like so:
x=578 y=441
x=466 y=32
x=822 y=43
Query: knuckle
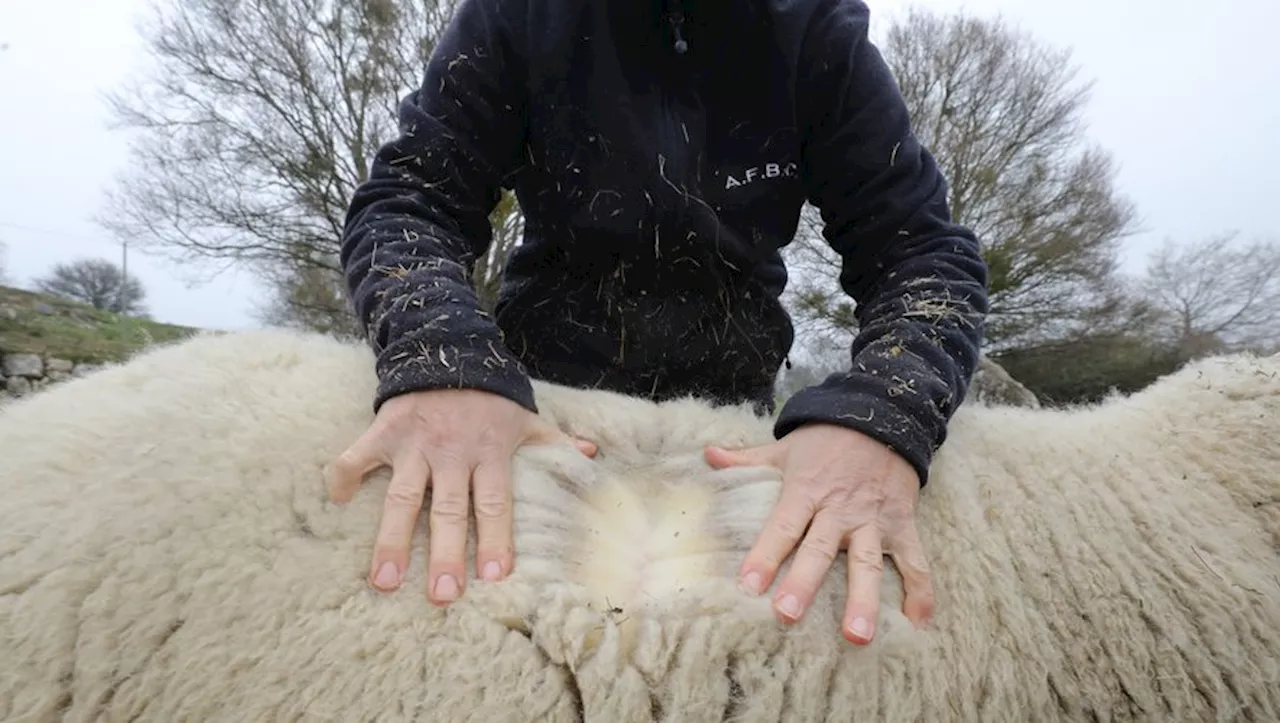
x=787 y=527
x=908 y=553
x=764 y=561
x=406 y=495
x=819 y=548
x=345 y=463
x=449 y=508
x=491 y=505
x=869 y=560
x=914 y=563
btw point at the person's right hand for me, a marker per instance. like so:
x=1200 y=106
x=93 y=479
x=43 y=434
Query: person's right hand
x=453 y=439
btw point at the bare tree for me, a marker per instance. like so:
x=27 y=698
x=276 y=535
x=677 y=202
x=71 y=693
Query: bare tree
x=257 y=123
x=316 y=299
x=1002 y=113
x=309 y=298
x=98 y=283
x=823 y=314
x=4 y=263
x=1216 y=294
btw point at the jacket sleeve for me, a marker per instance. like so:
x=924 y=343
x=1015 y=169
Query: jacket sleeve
x=416 y=226
x=917 y=278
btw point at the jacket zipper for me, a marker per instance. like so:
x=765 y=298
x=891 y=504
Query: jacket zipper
x=674 y=139
x=672 y=164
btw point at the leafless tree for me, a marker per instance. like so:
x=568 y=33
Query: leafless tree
x=316 y=299
x=98 y=283
x=1002 y=113
x=256 y=123
x=309 y=298
x=1216 y=294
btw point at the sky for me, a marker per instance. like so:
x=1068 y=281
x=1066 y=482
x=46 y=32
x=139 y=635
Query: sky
x=1187 y=100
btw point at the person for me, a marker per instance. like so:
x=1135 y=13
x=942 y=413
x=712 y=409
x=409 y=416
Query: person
x=661 y=152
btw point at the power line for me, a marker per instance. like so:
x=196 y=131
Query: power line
x=124 y=245
x=50 y=232
x=124 y=270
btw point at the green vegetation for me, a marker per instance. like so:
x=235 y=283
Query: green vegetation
x=42 y=324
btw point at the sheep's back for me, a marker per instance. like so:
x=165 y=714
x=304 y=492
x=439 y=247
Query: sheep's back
x=167 y=553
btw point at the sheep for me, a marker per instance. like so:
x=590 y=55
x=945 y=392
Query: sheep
x=168 y=553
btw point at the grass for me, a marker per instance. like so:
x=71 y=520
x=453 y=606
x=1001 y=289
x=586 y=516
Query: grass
x=74 y=331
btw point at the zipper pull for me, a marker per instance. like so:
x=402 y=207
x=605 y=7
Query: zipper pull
x=677 y=19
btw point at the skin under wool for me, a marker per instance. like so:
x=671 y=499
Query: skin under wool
x=168 y=553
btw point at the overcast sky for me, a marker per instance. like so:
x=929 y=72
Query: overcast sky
x=1187 y=97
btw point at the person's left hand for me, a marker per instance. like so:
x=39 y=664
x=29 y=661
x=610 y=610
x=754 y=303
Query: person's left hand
x=858 y=494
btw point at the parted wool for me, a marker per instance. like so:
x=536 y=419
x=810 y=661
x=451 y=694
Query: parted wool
x=168 y=553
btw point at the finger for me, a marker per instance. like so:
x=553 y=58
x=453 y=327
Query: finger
x=400 y=511
x=763 y=456
x=347 y=472
x=866 y=567
x=493 y=506
x=909 y=557
x=812 y=561
x=450 y=504
x=786 y=523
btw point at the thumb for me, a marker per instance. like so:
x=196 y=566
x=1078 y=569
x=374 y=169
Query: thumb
x=346 y=473
x=544 y=432
x=586 y=446
x=763 y=456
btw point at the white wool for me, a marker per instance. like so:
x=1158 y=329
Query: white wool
x=167 y=553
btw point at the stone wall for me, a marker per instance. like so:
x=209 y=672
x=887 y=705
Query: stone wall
x=994 y=386
x=23 y=374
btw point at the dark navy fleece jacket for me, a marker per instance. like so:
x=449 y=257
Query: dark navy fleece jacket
x=661 y=152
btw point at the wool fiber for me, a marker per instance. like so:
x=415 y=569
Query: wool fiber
x=168 y=553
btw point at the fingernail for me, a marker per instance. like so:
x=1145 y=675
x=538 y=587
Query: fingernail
x=387 y=576
x=492 y=570
x=446 y=588
x=789 y=606
x=860 y=627
x=751 y=583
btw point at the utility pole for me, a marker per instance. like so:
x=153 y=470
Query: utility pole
x=124 y=274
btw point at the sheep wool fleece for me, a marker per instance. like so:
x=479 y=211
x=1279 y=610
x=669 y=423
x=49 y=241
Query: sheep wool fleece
x=167 y=553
